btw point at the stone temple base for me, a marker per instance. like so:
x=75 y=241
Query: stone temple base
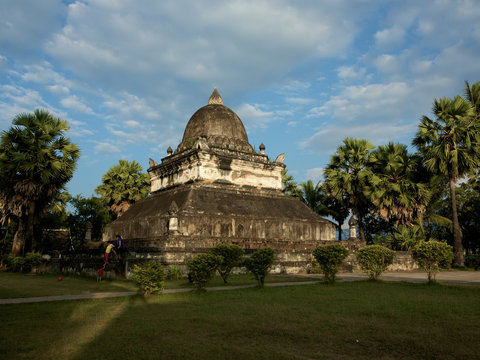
x=174 y=225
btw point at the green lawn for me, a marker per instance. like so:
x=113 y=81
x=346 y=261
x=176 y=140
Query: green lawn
x=358 y=320
x=15 y=285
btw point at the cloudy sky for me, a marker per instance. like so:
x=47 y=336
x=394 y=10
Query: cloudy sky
x=302 y=75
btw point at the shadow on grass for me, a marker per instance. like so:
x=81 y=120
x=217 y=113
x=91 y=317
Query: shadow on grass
x=348 y=320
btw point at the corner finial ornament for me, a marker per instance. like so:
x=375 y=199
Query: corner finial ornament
x=280 y=158
x=215 y=98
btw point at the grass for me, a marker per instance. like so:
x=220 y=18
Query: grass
x=16 y=285
x=361 y=320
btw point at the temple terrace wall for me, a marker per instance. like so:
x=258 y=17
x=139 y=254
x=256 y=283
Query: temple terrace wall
x=88 y=261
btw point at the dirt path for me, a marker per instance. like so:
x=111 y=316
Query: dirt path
x=449 y=277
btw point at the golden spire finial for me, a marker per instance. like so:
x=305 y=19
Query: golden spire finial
x=215 y=98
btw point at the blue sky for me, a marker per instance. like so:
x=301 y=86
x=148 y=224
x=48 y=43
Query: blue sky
x=302 y=75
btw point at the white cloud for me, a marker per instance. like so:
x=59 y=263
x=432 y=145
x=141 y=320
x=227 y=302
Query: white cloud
x=299 y=100
x=58 y=89
x=132 y=124
x=351 y=73
x=236 y=45
x=106 y=148
x=370 y=103
x=16 y=99
x=129 y=106
x=3 y=63
x=328 y=139
x=253 y=116
x=390 y=38
x=21 y=97
x=315 y=174
x=421 y=66
x=376 y=112
x=79 y=128
x=388 y=64
x=43 y=74
x=74 y=103
x=133 y=120
x=27 y=23
x=294 y=86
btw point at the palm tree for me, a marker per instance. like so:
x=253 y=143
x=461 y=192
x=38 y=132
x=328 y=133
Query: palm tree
x=450 y=146
x=36 y=161
x=392 y=187
x=472 y=94
x=289 y=186
x=346 y=176
x=334 y=207
x=122 y=185
x=321 y=201
x=311 y=195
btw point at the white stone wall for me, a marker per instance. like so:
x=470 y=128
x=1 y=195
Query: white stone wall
x=208 y=167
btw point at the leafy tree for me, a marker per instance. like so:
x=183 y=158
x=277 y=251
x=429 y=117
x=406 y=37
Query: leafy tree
x=329 y=259
x=376 y=229
x=289 y=185
x=392 y=187
x=375 y=259
x=36 y=161
x=259 y=264
x=85 y=210
x=320 y=199
x=231 y=257
x=434 y=217
x=332 y=206
x=201 y=269
x=450 y=146
x=31 y=260
x=122 y=185
x=468 y=201
x=406 y=237
x=347 y=176
x=431 y=256
x=7 y=232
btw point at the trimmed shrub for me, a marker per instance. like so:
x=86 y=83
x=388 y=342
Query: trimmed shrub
x=31 y=260
x=313 y=268
x=259 y=264
x=232 y=256
x=7 y=260
x=431 y=256
x=174 y=273
x=375 y=259
x=473 y=261
x=149 y=277
x=12 y=262
x=201 y=269
x=329 y=259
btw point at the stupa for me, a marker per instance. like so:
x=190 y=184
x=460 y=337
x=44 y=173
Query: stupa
x=215 y=187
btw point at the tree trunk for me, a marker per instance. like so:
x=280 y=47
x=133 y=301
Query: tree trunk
x=29 y=228
x=458 y=260
x=19 y=239
x=361 y=229
x=339 y=227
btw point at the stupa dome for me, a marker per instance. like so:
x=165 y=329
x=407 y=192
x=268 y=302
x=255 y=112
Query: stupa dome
x=218 y=124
